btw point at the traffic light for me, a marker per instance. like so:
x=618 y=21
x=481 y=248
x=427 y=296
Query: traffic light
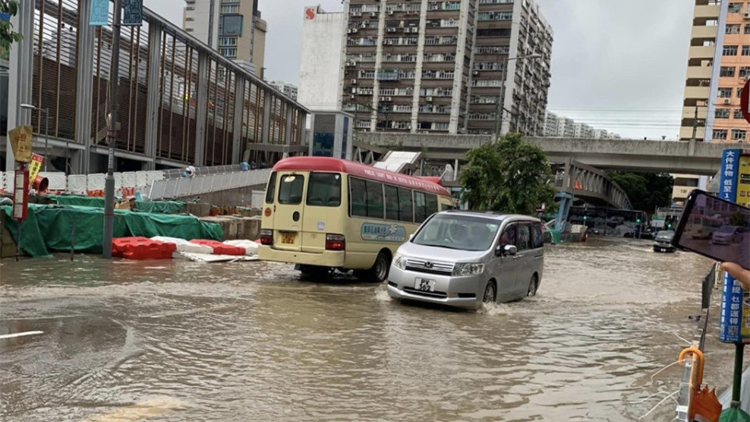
x=585 y=217
x=638 y=221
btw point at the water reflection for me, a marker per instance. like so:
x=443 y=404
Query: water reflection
x=251 y=341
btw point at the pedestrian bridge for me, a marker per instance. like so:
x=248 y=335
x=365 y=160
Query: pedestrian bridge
x=607 y=154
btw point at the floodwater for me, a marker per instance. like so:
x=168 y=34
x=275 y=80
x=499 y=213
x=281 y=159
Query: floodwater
x=183 y=341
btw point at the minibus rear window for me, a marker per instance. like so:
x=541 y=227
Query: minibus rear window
x=271 y=188
x=290 y=189
x=324 y=190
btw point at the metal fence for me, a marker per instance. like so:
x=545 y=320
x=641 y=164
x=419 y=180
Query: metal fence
x=180 y=102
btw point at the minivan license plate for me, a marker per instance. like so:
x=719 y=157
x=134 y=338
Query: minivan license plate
x=424 y=285
x=288 y=238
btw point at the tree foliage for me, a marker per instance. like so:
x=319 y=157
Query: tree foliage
x=8 y=9
x=509 y=176
x=646 y=191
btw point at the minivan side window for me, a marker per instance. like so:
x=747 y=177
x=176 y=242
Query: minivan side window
x=324 y=190
x=523 y=241
x=290 y=189
x=537 y=239
x=271 y=189
x=358 y=197
x=509 y=236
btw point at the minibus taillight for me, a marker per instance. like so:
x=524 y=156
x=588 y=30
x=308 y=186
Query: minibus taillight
x=266 y=237
x=335 y=242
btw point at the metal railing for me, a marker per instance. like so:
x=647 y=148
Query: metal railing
x=190 y=186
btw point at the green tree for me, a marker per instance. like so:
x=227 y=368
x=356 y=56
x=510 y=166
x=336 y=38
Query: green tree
x=646 y=191
x=508 y=175
x=738 y=219
x=8 y=9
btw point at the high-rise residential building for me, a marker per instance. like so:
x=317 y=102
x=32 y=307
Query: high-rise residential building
x=582 y=130
x=440 y=66
x=232 y=27
x=718 y=67
x=566 y=127
x=550 y=125
x=600 y=134
x=288 y=89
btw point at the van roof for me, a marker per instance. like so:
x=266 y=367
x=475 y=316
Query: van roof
x=492 y=215
x=329 y=164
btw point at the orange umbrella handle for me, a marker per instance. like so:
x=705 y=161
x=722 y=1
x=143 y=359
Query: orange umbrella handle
x=699 y=357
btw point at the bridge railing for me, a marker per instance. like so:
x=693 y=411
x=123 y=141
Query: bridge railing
x=207 y=183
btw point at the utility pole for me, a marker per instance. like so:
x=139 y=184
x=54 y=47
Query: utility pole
x=109 y=181
x=695 y=122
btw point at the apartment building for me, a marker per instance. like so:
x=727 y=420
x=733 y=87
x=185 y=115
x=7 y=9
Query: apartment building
x=440 y=66
x=232 y=27
x=582 y=130
x=288 y=89
x=550 y=125
x=718 y=67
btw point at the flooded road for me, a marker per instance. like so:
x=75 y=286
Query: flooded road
x=181 y=341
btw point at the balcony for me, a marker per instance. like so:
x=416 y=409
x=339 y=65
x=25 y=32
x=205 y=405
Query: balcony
x=699 y=72
x=702 y=52
x=707 y=11
x=704 y=32
x=697 y=92
x=687 y=133
x=689 y=112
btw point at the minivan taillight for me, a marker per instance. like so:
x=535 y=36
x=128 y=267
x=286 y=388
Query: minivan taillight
x=335 y=242
x=266 y=237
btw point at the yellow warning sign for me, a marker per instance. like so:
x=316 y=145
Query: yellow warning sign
x=34 y=167
x=21 y=139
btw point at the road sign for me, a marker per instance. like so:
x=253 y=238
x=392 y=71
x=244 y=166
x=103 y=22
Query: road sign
x=21 y=140
x=34 y=167
x=21 y=192
x=745 y=101
x=132 y=12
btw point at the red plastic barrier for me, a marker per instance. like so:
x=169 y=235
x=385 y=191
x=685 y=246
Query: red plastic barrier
x=141 y=248
x=220 y=248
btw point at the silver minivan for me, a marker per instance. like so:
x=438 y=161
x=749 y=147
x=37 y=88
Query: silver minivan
x=462 y=259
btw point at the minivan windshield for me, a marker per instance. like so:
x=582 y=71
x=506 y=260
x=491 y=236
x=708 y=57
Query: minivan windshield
x=728 y=229
x=463 y=232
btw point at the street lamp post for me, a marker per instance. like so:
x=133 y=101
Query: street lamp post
x=46 y=131
x=500 y=108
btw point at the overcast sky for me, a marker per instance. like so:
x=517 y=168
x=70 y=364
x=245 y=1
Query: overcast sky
x=617 y=65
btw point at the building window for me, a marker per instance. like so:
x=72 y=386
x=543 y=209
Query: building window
x=188 y=29
x=738 y=135
x=727 y=71
x=495 y=16
x=738 y=114
x=502 y=32
x=747 y=28
x=725 y=92
x=735 y=8
x=720 y=134
x=231 y=26
x=746 y=50
x=744 y=71
x=230 y=9
x=228 y=52
x=739 y=92
x=730 y=50
x=227 y=41
x=189 y=19
x=732 y=29
x=722 y=113
x=190 y=8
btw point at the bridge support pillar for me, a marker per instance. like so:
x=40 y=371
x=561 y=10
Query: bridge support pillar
x=20 y=75
x=202 y=109
x=566 y=200
x=80 y=160
x=153 y=97
x=239 y=101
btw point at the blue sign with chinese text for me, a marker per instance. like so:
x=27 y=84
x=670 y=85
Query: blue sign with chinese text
x=383 y=232
x=731 y=300
x=99 y=13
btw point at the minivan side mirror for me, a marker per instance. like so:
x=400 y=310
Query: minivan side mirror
x=501 y=250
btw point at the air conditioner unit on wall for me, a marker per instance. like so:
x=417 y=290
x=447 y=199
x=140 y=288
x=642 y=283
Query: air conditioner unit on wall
x=727 y=101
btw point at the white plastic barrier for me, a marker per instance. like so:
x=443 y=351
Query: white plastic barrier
x=128 y=180
x=2 y=181
x=95 y=182
x=185 y=246
x=9 y=181
x=77 y=184
x=251 y=248
x=141 y=178
x=57 y=181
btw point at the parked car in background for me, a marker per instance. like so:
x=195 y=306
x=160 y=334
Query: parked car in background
x=462 y=259
x=726 y=235
x=663 y=241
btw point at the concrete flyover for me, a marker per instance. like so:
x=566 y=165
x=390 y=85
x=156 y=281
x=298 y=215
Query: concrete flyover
x=604 y=154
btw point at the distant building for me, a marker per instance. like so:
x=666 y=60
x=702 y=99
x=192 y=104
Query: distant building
x=600 y=134
x=550 y=125
x=566 y=127
x=232 y=27
x=288 y=89
x=582 y=130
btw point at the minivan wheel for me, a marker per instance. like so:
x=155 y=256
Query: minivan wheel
x=489 y=292
x=533 y=286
